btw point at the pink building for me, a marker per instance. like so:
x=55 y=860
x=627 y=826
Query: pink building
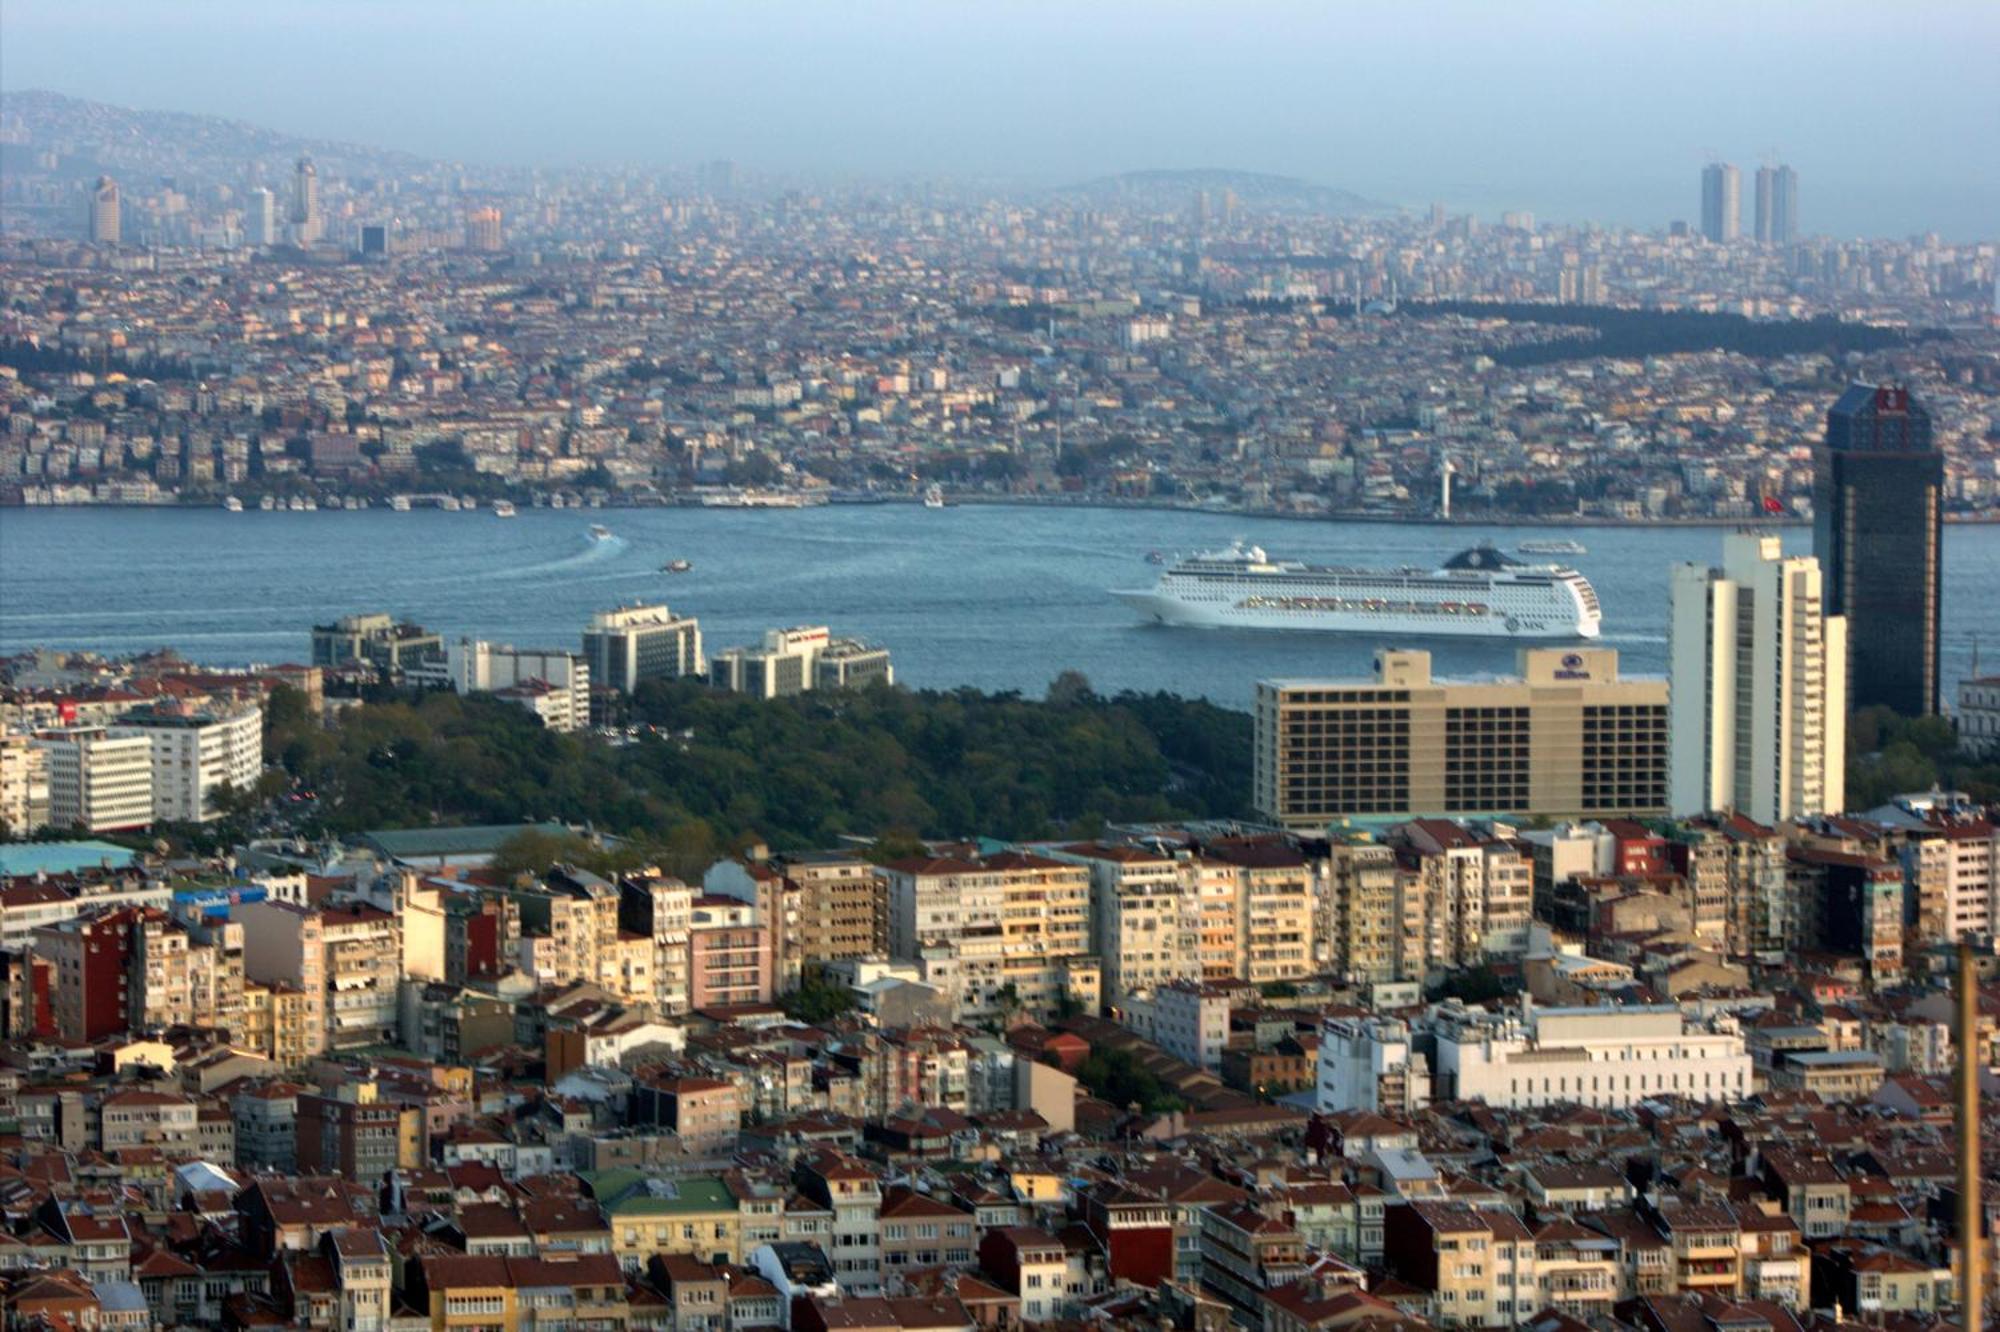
x=729 y=954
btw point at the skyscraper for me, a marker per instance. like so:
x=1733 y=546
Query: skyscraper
x=1756 y=711
x=104 y=212
x=305 y=202
x=262 y=222
x=1878 y=530
x=1721 y=202
x=1777 y=205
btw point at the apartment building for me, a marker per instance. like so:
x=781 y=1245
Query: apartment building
x=136 y=1118
x=1567 y=738
x=1274 y=893
x=569 y=924
x=1369 y=1063
x=363 y=971
x=657 y=907
x=1145 y=916
x=630 y=644
x=1009 y=933
x=729 y=954
x=354 y=1133
x=1476 y=893
x=24 y=784
x=1477 y=1265
x=284 y=950
x=1355 y=915
x=1189 y=1019
x=825 y=906
x=476 y=666
x=197 y=755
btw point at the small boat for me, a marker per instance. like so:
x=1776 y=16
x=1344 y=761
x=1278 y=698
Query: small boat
x=267 y=503
x=231 y=504
x=599 y=532
x=676 y=566
x=468 y=503
x=449 y=503
x=503 y=508
x=400 y=503
x=1156 y=557
x=1561 y=546
x=933 y=496
x=309 y=504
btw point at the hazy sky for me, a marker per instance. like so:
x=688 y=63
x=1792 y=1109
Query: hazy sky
x=1606 y=110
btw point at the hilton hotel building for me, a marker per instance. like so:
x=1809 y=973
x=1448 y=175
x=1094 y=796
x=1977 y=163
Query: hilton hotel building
x=1567 y=739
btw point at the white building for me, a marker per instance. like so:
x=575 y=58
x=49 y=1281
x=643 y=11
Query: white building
x=624 y=646
x=791 y=661
x=24 y=784
x=1189 y=1019
x=97 y=780
x=1757 y=717
x=1609 y=1057
x=196 y=754
x=1979 y=715
x=1366 y=1063
x=476 y=666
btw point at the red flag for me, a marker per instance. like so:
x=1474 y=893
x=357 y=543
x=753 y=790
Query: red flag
x=1773 y=505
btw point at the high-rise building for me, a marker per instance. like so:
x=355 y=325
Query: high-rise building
x=1759 y=705
x=476 y=666
x=1777 y=205
x=196 y=755
x=791 y=661
x=482 y=229
x=262 y=219
x=1878 y=530
x=1721 y=202
x=641 y=642
x=1568 y=738
x=104 y=212
x=305 y=202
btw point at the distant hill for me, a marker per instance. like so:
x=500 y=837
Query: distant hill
x=1174 y=189
x=89 y=137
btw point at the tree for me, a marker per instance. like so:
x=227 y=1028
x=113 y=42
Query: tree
x=1118 y=1077
x=1069 y=689
x=818 y=1001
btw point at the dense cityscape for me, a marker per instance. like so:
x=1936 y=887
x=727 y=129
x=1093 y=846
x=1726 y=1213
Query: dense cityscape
x=413 y=980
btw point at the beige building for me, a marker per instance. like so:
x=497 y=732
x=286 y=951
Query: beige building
x=1470 y=900
x=364 y=954
x=1273 y=896
x=1568 y=738
x=1356 y=932
x=1145 y=916
x=1010 y=933
x=24 y=784
x=284 y=952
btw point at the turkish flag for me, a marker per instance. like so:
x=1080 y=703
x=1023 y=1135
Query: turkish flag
x=1773 y=505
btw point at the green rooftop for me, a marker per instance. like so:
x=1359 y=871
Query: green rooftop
x=623 y=1191
x=438 y=843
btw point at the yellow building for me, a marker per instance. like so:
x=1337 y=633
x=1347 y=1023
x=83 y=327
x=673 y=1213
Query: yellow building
x=1568 y=738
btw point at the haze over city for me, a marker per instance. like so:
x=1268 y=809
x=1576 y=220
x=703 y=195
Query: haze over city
x=1580 y=112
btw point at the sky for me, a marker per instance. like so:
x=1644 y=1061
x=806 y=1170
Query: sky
x=1602 y=111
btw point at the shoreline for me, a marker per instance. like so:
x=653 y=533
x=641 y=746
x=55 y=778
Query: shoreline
x=1096 y=503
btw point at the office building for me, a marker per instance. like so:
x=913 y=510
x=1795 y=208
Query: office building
x=1878 y=530
x=104 y=221
x=374 y=239
x=306 y=221
x=791 y=661
x=1369 y=1062
x=629 y=644
x=1759 y=710
x=98 y=781
x=1777 y=205
x=1609 y=1058
x=197 y=755
x=377 y=640
x=474 y=666
x=261 y=220
x=1721 y=202
x=1567 y=737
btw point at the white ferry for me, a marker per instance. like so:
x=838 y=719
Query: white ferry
x=1479 y=593
x=1558 y=547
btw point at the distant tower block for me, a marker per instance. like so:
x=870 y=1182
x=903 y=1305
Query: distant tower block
x=305 y=202
x=1721 y=202
x=104 y=212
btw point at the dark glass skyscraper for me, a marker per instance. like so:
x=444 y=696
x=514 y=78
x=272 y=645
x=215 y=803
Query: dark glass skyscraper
x=1878 y=530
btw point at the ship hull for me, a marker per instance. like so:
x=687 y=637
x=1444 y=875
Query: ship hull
x=1521 y=627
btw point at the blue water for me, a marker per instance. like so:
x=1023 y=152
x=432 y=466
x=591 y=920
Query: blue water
x=997 y=597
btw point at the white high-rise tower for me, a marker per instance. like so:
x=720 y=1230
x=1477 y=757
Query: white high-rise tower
x=1757 y=714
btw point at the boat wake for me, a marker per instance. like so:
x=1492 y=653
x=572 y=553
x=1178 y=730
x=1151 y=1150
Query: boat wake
x=596 y=550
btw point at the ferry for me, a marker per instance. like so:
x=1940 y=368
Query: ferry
x=503 y=508
x=753 y=499
x=1558 y=547
x=1478 y=593
x=231 y=504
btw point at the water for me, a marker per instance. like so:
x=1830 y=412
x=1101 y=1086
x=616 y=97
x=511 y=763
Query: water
x=998 y=597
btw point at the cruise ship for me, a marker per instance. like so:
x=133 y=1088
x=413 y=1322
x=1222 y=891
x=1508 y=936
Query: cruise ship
x=1479 y=593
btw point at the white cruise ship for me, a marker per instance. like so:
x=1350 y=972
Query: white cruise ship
x=1479 y=593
